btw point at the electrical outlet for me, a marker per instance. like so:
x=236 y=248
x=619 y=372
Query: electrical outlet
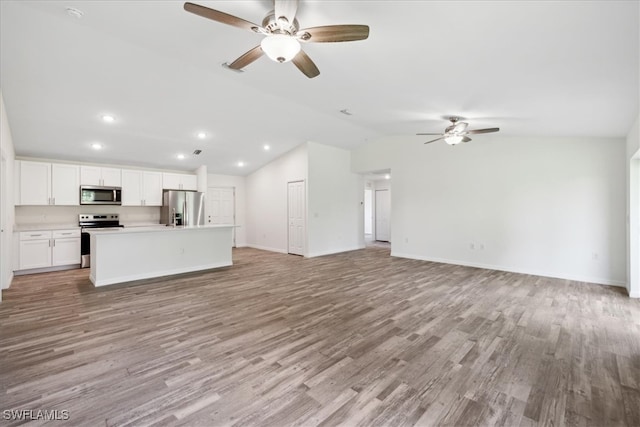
x=482 y=246
x=406 y=240
x=472 y=246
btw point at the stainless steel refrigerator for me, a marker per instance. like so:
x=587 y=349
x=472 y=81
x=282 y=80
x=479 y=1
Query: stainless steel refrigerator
x=186 y=207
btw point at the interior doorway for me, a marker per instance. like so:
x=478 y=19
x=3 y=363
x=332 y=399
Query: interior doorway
x=296 y=207
x=368 y=213
x=383 y=215
x=221 y=207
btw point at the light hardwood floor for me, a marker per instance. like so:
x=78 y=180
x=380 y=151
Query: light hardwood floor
x=351 y=339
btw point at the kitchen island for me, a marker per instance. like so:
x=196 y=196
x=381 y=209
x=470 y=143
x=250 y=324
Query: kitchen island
x=127 y=254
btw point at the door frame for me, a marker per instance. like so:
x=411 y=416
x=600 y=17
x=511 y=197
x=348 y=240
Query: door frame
x=304 y=217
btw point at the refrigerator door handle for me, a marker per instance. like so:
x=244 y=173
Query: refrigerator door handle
x=185 y=213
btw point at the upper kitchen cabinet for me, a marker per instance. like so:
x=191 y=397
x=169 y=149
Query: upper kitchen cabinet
x=141 y=188
x=34 y=183
x=42 y=183
x=179 y=181
x=101 y=177
x=65 y=184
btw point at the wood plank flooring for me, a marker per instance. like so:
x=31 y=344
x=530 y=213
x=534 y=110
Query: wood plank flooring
x=352 y=339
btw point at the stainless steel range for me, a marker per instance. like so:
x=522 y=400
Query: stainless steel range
x=93 y=222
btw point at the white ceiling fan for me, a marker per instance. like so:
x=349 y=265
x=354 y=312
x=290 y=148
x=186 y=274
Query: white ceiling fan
x=283 y=35
x=457 y=132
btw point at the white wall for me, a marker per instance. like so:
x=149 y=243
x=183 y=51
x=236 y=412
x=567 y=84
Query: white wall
x=6 y=199
x=335 y=204
x=237 y=182
x=266 y=198
x=545 y=206
x=633 y=210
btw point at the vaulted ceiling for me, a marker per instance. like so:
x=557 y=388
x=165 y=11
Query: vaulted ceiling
x=562 y=68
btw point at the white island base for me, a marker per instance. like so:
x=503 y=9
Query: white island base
x=124 y=255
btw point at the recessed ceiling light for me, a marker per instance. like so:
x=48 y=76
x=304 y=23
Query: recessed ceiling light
x=202 y=135
x=96 y=146
x=76 y=13
x=266 y=147
x=240 y=164
x=108 y=118
x=387 y=176
x=180 y=156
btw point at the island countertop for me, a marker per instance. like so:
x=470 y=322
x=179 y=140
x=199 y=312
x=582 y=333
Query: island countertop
x=126 y=254
x=160 y=228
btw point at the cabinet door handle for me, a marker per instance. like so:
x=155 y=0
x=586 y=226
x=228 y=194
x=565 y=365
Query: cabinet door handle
x=49 y=242
x=65 y=234
x=35 y=235
x=54 y=243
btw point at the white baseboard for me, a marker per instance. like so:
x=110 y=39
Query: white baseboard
x=47 y=269
x=266 y=248
x=334 y=251
x=596 y=280
x=635 y=294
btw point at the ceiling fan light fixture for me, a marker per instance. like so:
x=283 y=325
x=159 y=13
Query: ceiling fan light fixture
x=280 y=47
x=453 y=139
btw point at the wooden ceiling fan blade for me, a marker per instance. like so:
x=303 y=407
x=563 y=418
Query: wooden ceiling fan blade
x=466 y=139
x=334 y=33
x=223 y=18
x=434 y=140
x=247 y=58
x=305 y=64
x=488 y=130
x=286 y=8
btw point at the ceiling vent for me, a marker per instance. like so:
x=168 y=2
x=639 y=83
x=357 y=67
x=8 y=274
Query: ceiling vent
x=196 y=152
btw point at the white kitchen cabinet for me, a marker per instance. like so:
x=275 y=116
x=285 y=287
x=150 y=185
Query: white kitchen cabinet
x=48 y=184
x=98 y=176
x=35 y=249
x=141 y=188
x=34 y=180
x=179 y=181
x=65 y=185
x=42 y=249
x=65 y=251
x=152 y=188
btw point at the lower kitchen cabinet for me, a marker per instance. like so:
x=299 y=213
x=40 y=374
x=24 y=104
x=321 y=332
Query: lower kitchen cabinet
x=42 y=249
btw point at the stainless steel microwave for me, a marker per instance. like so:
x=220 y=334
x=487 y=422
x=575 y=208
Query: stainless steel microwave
x=90 y=195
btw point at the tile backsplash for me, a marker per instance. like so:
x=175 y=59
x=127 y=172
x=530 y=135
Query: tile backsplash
x=36 y=215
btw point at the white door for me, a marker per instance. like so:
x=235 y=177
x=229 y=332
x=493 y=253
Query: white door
x=368 y=212
x=221 y=208
x=383 y=213
x=297 y=215
x=65 y=185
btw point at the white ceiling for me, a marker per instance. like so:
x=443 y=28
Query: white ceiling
x=561 y=68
